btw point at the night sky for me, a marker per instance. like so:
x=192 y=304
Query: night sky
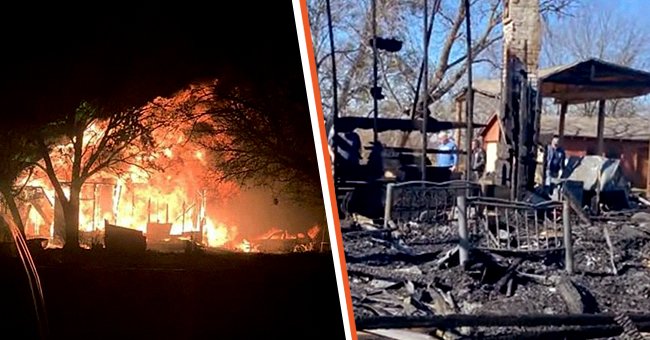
x=54 y=57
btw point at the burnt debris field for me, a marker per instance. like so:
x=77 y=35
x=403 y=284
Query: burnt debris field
x=409 y=280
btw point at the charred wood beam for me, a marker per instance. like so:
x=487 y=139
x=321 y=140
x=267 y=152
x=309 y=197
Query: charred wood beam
x=571 y=295
x=569 y=332
x=610 y=249
x=410 y=150
x=600 y=129
x=563 y=109
x=389 y=275
x=460 y=320
x=509 y=274
x=384 y=257
x=576 y=208
x=348 y=124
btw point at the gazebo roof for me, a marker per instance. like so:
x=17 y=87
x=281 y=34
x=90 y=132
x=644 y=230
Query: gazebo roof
x=583 y=81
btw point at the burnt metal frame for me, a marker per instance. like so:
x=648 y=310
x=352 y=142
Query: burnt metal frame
x=422 y=188
x=528 y=225
x=523 y=217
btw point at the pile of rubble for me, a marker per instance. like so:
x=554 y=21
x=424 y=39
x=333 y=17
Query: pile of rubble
x=403 y=273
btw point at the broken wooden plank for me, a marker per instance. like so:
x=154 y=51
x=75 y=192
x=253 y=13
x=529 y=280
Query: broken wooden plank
x=644 y=201
x=385 y=274
x=443 y=304
x=491 y=320
x=541 y=279
x=566 y=332
x=571 y=296
x=577 y=301
x=630 y=330
x=503 y=281
x=577 y=209
x=610 y=249
x=445 y=258
x=398 y=334
x=392 y=256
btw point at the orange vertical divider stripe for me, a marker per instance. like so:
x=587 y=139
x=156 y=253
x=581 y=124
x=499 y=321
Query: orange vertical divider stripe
x=328 y=165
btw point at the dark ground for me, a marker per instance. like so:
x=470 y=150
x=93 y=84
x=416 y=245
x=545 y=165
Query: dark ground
x=177 y=296
x=473 y=290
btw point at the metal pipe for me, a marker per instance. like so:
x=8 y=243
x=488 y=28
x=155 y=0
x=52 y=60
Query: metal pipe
x=388 y=204
x=568 y=245
x=469 y=107
x=335 y=99
x=425 y=97
x=374 y=70
x=463 y=243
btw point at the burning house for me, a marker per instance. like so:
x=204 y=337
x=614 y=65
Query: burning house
x=170 y=194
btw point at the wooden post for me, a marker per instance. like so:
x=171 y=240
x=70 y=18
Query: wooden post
x=568 y=246
x=601 y=127
x=463 y=239
x=563 y=109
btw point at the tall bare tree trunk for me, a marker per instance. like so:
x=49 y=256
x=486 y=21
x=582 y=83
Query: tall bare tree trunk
x=5 y=189
x=71 y=217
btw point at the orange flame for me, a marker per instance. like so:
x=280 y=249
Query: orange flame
x=172 y=202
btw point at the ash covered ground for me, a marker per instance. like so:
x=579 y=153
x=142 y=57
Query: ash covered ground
x=414 y=271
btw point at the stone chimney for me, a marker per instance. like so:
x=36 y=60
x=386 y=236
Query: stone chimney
x=516 y=161
x=522 y=34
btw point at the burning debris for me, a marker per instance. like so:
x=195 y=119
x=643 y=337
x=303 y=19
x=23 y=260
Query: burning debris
x=159 y=183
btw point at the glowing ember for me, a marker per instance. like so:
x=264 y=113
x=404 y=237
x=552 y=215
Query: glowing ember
x=245 y=246
x=218 y=234
x=313 y=232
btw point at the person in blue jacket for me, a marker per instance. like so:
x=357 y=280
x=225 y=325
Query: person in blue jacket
x=447 y=160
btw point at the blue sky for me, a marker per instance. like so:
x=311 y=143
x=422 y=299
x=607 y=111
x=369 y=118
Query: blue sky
x=410 y=31
x=635 y=8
